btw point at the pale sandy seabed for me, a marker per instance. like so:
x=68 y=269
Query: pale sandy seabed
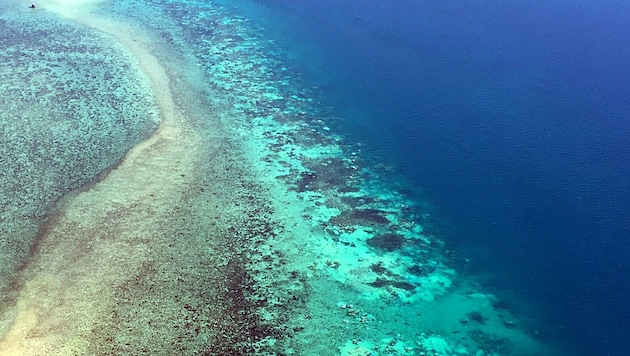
x=242 y=224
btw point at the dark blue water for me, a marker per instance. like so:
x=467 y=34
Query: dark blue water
x=514 y=119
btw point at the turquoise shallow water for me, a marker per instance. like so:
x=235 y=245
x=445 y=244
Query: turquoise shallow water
x=513 y=119
x=361 y=210
x=288 y=239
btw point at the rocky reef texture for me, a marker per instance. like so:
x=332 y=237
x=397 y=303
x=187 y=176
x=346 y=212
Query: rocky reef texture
x=71 y=104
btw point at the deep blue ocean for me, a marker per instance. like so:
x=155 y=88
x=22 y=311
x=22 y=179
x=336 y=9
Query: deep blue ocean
x=512 y=118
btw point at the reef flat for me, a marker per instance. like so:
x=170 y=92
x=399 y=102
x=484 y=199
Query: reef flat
x=71 y=104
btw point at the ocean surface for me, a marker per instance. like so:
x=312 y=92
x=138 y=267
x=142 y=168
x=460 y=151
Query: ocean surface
x=512 y=119
x=314 y=177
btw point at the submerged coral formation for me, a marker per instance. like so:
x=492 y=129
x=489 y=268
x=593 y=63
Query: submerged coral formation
x=254 y=227
x=349 y=230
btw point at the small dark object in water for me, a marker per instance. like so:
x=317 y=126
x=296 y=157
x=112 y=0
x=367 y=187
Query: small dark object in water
x=499 y=305
x=477 y=316
x=32 y=6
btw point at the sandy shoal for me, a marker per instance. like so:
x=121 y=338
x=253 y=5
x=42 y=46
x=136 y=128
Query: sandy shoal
x=101 y=236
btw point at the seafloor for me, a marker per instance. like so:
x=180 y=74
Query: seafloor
x=171 y=187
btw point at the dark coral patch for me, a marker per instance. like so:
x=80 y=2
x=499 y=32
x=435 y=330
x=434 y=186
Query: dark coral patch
x=383 y=283
x=378 y=268
x=387 y=242
x=306 y=181
x=477 y=317
x=369 y=217
x=324 y=175
x=491 y=343
x=500 y=306
x=418 y=270
x=404 y=285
